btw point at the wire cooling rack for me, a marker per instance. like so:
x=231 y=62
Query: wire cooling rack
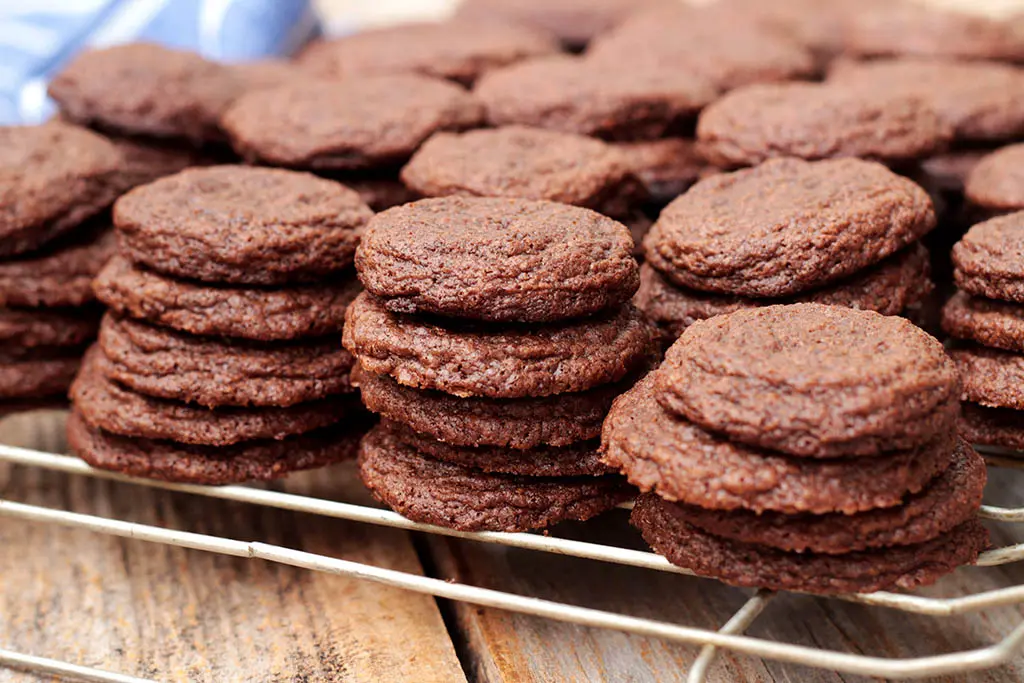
x=730 y=636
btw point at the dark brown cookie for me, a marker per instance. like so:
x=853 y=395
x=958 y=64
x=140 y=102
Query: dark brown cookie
x=241 y=225
x=988 y=322
x=444 y=494
x=146 y=159
x=999 y=427
x=989 y=260
x=355 y=123
x=528 y=163
x=819 y=121
x=991 y=377
x=145 y=89
x=579 y=96
x=295 y=312
x=682 y=462
x=889 y=288
x=59 y=276
x=665 y=168
x=219 y=372
x=787 y=226
x=996 y=183
x=38 y=374
x=464 y=359
x=211 y=465
x=747 y=564
x=54 y=177
x=520 y=423
x=496 y=259
x=32 y=328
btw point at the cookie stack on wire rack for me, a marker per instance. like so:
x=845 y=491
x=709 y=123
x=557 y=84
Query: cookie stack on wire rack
x=218 y=360
x=802 y=447
x=492 y=338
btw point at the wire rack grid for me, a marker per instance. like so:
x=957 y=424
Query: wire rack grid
x=730 y=636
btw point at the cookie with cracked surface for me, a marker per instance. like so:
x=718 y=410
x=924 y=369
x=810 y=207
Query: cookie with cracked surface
x=683 y=462
x=787 y=226
x=999 y=427
x=468 y=359
x=665 y=167
x=241 y=225
x=355 y=123
x=988 y=322
x=991 y=377
x=25 y=328
x=161 y=363
x=996 y=183
x=444 y=494
x=988 y=261
x=60 y=275
x=278 y=314
x=496 y=259
x=748 y=564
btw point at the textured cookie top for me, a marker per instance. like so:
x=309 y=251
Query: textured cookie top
x=991 y=377
x=145 y=89
x=989 y=260
x=241 y=224
x=580 y=96
x=812 y=380
x=988 y=322
x=61 y=275
x=787 y=226
x=355 y=123
x=818 y=121
x=997 y=181
x=497 y=259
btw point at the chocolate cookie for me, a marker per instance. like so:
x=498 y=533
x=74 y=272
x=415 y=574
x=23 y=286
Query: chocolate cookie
x=682 y=462
x=30 y=328
x=579 y=96
x=988 y=322
x=283 y=313
x=441 y=493
x=241 y=225
x=786 y=226
x=889 y=288
x=465 y=359
x=496 y=259
x=219 y=372
x=146 y=159
x=59 y=276
x=54 y=177
x=819 y=121
x=746 y=564
x=997 y=183
x=145 y=89
x=355 y=123
x=665 y=168
x=39 y=374
x=211 y=465
x=989 y=260
x=999 y=427
x=993 y=378
x=528 y=163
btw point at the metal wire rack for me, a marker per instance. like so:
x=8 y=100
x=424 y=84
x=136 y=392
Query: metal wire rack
x=730 y=636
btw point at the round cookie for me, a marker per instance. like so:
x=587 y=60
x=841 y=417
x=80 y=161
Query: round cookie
x=211 y=465
x=54 y=177
x=498 y=362
x=279 y=314
x=145 y=89
x=238 y=224
x=683 y=462
x=665 y=168
x=818 y=121
x=989 y=260
x=496 y=259
x=574 y=95
x=527 y=163
x=996 y=183
x=38 y=374
x=745 y=564
x=61 y=275
x=786 y=226
x=999 y=427
x=219 y=372
x=441 y=493
x=992 y=378
x=30 y=329
x=365 y=122
x=990 y=323
x=890 y=287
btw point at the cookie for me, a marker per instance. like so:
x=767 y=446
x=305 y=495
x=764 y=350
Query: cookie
x=987 y=322
x=575 y=95
x=527 y=163
x=146 y=159
x=665 y=168
x=145 y=89
x=265 y=73
x=219 y=372
x=999 y=427
x=444 y=494
x=29 y=328
x=746 y=564
x=815 y=24
x=39 y=374
x=989 y=260
x=992 y=378
x=786 y=226
x=211 y=465
x=889 y=288
x=279 y=314
x=464 y=359
x=683 y=462
x=495 y=259
x=61 y=275
x=54 y=177
x=242 y=225
x=356 y=123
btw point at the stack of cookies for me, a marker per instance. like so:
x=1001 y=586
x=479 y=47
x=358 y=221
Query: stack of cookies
x=842 y=232
x=802 y=447
x=492 y=338
x=55 y=180
x=219 y=360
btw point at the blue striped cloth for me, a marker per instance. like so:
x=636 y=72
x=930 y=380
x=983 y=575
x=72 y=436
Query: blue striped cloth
x=37 y=37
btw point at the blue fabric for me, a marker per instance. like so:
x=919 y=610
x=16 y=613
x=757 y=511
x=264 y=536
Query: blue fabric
x=37 y=37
